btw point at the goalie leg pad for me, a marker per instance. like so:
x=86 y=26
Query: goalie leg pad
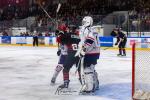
x=96 y=81
x=95 y=78
x=89 y=79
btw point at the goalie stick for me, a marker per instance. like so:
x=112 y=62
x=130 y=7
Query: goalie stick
x=82 y=74
x=78 y=65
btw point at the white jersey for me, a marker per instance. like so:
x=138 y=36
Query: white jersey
x=90 y=40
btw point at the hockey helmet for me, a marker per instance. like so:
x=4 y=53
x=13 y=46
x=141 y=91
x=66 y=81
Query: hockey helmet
x=87 y=21
x=62 y=28
x=72 y=28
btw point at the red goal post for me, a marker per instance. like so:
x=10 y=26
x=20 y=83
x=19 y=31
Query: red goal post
x=141 y=70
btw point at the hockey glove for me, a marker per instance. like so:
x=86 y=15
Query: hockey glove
x=116 y=43
x=58 y=52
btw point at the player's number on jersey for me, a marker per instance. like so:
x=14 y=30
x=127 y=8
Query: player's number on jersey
x=74 y=46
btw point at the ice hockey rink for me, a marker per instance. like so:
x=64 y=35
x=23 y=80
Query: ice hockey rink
x=25 y=74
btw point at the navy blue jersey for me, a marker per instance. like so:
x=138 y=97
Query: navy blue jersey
x=72 y=41
x=121 y=36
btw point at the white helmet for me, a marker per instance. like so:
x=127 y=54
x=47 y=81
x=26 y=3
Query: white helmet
x=87 y=21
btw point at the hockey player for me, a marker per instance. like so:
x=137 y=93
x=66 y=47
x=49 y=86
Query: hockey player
x=72 y=45
x=89 y=50
x=62 y=51
x=121 y=41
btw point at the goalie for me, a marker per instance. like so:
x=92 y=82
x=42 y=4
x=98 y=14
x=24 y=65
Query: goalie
x=89 y=50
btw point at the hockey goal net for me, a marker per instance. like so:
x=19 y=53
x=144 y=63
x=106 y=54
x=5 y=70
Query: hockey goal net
x=141 y=71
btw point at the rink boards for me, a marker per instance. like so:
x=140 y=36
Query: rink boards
x=51 y=41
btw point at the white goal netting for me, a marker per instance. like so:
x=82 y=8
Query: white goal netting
x=141 y=71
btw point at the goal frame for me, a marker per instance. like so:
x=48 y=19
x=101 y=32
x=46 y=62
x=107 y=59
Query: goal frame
x=133 y=64
x=133 y=68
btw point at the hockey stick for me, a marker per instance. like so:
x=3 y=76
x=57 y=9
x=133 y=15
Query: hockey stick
x=55 y=22
x=47 y=13
x=82 y=75
x=82 y=70
x=106 y=48
x=78 y=65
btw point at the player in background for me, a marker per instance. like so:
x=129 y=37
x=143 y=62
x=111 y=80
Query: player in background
x=35 y=39
x=89 y=50
x=73 y=39
x=62 y=51
x=121 y=41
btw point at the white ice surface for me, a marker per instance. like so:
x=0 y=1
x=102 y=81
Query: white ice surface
x=25 y=74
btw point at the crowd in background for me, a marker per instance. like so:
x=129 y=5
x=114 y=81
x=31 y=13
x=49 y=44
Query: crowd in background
x=72 y=11
x=73 y=8
x=4 y=33
x=139 y=21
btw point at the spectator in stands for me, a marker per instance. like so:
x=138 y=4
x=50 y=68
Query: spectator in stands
x=21 y=34
x=27 y=34
x=5 y=33
x=40 y=34
x=47 y=34
x=24 y=33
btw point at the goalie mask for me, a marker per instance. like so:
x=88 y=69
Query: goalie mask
x=87 y=21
